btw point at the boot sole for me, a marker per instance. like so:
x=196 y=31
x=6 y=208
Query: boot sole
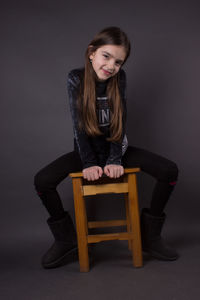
x=160 y=257
x=70 y=256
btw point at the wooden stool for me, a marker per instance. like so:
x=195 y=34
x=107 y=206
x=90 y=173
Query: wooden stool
x=126 y=184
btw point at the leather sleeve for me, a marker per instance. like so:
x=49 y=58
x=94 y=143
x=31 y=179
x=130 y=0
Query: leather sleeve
x=86 y=152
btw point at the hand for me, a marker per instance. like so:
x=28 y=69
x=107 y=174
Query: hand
x=92 y=173
x=114 y=171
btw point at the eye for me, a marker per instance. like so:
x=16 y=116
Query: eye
x=105 y=55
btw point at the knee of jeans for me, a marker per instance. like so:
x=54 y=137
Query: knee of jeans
x=170 y=173
x=41 y=182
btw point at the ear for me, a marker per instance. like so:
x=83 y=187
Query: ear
x=91 y=56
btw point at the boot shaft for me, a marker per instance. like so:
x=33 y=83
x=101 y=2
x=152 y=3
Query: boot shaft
x=151 y=226
x=63 y=229
x=152 y=242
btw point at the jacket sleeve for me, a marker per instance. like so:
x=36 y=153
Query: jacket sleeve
x=117 y=149
x=86 y=152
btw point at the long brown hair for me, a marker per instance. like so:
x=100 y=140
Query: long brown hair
x=87 y=96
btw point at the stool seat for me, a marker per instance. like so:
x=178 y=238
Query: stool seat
x=127 y=185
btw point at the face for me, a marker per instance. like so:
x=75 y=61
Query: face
x=107 y=60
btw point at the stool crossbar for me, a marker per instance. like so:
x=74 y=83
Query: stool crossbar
x=126 y=185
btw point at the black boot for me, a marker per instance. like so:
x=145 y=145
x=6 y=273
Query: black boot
x=152 y=242
x=64 y=248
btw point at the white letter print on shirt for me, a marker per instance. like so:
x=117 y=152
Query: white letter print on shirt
x=103 y=111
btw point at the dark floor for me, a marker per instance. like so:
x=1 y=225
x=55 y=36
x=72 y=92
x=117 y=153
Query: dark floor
x=111 y=275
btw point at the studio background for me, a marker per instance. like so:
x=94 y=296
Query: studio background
x=41 y=41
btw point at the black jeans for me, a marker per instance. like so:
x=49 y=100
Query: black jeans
x=163 y=170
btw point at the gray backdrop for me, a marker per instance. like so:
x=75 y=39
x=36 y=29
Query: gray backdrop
x=41 y=41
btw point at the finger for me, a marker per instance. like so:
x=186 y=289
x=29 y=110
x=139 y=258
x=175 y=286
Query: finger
x=111 y=172
x=96 y=175
x=84 y=175
x=106 y=171
x=122 y=171
x=118 y=171
x=88 y=176
x=100 y=172
x=91 y=175
x=115 y=172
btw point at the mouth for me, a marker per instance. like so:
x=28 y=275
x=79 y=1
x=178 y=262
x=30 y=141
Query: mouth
x=106 y=72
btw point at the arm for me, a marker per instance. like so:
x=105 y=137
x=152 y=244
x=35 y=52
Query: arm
x=86 y=152
x=117 y=149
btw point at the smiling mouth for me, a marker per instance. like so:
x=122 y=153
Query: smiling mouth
x=106 y=72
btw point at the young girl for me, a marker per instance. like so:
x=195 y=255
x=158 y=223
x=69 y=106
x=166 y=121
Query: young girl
x=97 y=96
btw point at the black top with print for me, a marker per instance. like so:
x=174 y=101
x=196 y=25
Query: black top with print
x=97 y=150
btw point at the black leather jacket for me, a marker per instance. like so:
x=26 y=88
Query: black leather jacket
x=95 y=151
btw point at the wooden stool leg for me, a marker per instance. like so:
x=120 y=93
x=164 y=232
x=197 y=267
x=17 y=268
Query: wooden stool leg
x=81 y=225
x=135 y=221
x=127 y=215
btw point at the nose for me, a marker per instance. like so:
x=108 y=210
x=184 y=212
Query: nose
x=110 y=66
